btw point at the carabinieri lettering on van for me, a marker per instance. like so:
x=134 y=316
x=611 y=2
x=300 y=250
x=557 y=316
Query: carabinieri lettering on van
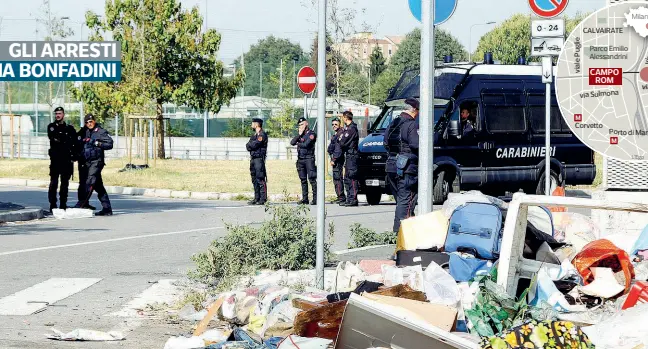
x=523 y=152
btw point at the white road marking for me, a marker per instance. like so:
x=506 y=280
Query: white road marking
x=105 y=241
x=359 y=249
x=164 y=291
x=41 y=295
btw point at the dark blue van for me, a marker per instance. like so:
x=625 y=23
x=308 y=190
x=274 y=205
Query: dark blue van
x=506 y=152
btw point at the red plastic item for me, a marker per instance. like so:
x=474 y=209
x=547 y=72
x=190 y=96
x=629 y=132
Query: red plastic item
x=638 y=294
x=604 y=254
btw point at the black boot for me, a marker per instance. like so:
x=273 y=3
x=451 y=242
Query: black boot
x=104 y=212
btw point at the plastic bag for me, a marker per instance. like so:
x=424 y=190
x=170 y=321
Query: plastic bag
x=347 y=276
x=411 y=276
x=440 y=287
x=575 y=229
x=603 y=253
x=624 y=330
x=456 y=200
x=641 y=243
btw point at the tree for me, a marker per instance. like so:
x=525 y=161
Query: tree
x=378 y=63
x=268 y=55
x=408 y=57
x=165 y=59
x=354 y=84
x=510 y=40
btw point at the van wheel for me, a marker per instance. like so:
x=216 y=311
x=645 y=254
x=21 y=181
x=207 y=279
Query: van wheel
x=373 y=197
x=441 y=188
x=554 y=182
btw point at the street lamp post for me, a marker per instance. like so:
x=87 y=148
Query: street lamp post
x=470 y=42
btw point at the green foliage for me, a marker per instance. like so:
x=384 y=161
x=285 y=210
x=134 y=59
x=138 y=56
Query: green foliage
x=354 y=84
x=408 y=55
x=510 y=40
x=378 y=63
x=285 y=241
x=281 y=123
x=165 y=58
x=180 y=129
x=267 y=55
x=362 y=237
x=384 y=82
x=237 y=128
x=333 y=60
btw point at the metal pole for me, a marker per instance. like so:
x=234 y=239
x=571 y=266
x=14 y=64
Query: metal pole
x=36 y=106
x=321 y=146
x=281 y=79
x=305 y=106
x=293 y=90
x=205 y=125
x=81 y=116
x=117 y=133
x=426 y=123
x=547 y=135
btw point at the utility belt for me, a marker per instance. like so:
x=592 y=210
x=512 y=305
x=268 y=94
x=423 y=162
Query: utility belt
x=405 y=163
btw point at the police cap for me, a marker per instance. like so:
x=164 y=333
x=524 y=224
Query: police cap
x=302 y=119
x=89 y=117
x=259 y=121
x=413 y=102
x=59 y=109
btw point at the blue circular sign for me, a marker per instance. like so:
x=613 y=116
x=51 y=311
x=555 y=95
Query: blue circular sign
x=443 y=9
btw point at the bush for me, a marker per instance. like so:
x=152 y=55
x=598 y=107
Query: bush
x=362 y=237
x=286 y=241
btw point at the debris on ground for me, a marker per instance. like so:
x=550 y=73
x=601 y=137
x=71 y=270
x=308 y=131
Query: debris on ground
x=442 y=290
x=85 y=335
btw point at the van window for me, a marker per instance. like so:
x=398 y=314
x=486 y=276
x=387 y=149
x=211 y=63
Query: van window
x=505 y=113
x=537 y=115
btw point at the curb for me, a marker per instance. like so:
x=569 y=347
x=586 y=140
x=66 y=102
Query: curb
x=27 y=214
x=160 y=193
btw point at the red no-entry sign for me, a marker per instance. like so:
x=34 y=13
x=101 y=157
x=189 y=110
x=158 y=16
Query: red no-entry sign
x=548 y=8
x=307 y=80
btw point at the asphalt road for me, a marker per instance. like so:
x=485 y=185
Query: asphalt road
x=148 y=240
x=120 y=259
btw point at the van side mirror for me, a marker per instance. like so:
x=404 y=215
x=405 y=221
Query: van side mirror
x=368 y=126
x=453 y=128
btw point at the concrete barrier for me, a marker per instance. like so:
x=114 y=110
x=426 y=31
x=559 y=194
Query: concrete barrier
x=180 y=194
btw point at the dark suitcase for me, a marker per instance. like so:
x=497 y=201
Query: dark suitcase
x=422 y=258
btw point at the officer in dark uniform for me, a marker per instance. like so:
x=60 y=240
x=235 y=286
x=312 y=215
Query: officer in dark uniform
x=349 y=144
x=337 y=161
x=467 y=124
x=258 y=147
x=62 y=153
x=392 y=145
x=94 y=142
x=305 y=142
x=83 y=170
x=407 y=164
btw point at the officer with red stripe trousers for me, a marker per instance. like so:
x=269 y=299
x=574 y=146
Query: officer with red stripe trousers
x=349 y=144
x=306 y=168
x=337 y=161
x=258 y=147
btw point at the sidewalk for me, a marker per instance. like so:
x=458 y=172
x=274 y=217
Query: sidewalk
x=10 y=212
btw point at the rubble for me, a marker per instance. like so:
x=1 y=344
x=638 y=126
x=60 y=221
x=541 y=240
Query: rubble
x=551 y=282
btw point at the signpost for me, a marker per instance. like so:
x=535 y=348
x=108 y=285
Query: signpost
x=443 y=10
x=430 y=13
x=547 y=40
x=548 y=8
x=321 y=146
x=307 y=82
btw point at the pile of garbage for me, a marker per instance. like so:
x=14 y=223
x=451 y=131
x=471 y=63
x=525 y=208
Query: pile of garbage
x=441 y=291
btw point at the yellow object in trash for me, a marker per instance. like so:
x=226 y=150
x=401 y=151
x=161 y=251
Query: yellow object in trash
x=256 y=322
x=422 y=232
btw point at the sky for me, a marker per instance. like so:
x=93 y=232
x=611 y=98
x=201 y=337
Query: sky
x=244 y=22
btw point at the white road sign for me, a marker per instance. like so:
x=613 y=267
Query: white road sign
x=545 y=28
x=546 y=46
x=547 y=70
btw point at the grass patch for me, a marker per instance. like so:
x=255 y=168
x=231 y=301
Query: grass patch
x=363 y=237
x=285 y=241
x=220 y=176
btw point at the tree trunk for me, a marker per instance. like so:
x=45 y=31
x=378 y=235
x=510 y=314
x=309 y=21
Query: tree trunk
x=159 y=128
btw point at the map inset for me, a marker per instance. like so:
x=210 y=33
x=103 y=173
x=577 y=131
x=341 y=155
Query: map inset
x=602 y=81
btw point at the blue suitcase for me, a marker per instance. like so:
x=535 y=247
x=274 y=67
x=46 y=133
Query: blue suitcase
x=476 y=228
